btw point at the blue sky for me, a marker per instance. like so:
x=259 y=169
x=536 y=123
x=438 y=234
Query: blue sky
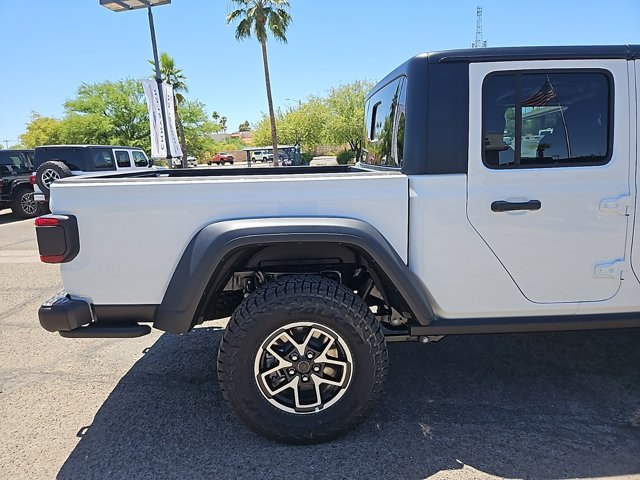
x=49 y=47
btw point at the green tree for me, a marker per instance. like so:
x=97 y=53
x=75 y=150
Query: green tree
x=198 y=128
x=112 y=112
x=41 y=131
x=346 y=122
x=174 y=76
x=306 y=125
x=260 y=17
x=244 y=126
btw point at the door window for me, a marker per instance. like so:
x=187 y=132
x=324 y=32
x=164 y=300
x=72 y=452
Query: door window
x=13 y=163
x=122 y=158
x=139 y=158
x=546 y=119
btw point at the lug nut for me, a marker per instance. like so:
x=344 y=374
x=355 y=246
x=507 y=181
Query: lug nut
x=309 y=355
x=292 y=371
x=316 y=368
x=305 y=378
x=294 y=357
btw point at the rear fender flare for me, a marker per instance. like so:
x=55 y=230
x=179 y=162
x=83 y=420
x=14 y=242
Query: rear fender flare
x=210 y=252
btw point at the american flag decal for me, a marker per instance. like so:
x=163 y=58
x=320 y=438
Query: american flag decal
x=541 y=97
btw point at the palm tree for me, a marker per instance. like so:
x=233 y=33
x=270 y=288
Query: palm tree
x=259 y=17
x=174 y=76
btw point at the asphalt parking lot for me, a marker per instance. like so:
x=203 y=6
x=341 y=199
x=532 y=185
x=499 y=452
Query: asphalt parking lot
x=560 y=405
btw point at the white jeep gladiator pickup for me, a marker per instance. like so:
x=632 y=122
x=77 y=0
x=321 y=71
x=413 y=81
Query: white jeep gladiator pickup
x=496 y=192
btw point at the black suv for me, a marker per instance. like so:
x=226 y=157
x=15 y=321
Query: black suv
x=16 y=191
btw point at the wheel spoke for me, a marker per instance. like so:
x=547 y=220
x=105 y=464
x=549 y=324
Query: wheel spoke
x=290 y=339
x=310 y=337
x=283 y=362
x=290 y=384
x=338 y=383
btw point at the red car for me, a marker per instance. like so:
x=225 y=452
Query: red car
x=221 y=158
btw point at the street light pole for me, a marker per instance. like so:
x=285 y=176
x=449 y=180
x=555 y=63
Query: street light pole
x=127 y=5
x=156 y=62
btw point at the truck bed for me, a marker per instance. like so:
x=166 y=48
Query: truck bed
x=134 y=227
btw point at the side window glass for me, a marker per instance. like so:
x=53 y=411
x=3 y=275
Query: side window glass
x=139 y=158
x=122 y=157
x=498 y=119
x=385 y=120
x=557 y=119
x=103 y=160
x=14 y=162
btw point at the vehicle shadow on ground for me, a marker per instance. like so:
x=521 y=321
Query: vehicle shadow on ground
x=8 y=217
x=552 y=405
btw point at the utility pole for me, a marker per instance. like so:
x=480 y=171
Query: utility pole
x=479 y=43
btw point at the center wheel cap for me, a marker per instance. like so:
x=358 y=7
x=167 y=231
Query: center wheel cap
x=304 y=367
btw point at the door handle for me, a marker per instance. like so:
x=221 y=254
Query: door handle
x=504 y=206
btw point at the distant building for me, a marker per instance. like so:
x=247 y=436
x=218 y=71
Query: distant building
x=220 y=137
x=244 y=136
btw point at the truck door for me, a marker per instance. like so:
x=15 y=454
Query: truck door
x=548 y=179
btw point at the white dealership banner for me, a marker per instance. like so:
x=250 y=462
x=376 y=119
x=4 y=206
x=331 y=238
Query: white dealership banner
x=158 y=143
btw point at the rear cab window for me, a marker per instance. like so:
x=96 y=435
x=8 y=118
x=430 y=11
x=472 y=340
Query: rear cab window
x=385 y=113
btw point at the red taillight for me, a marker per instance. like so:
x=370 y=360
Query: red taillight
x=47 y=222
x=51 y=258
x=32 y=179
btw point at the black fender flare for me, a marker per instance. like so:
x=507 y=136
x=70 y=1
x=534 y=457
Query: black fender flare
x=21 y=183
x=211 y=247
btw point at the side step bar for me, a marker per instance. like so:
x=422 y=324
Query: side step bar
x=527 y=324
x=96 y=330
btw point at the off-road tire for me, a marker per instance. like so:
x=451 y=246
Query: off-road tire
x=44 y=172
x=23 y=205
x=289 y=300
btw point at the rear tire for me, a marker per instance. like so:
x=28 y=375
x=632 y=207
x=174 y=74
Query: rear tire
x=302 y=360
x=23 y=204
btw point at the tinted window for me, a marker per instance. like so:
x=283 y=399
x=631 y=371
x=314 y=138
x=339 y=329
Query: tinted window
x=546 y=119
x=13 y=163
x=72 y=157
x=102 y=159
x=384 y=126
x=122 y=157
x=139 y=158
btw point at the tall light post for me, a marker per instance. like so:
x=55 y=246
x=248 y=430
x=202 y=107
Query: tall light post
x=124 y=6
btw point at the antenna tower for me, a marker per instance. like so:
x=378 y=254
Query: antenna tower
x=479 y=43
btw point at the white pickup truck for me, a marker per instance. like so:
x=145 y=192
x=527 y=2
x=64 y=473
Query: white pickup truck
x=496 y=192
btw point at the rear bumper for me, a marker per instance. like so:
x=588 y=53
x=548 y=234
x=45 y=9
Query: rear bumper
x=79 y=319
x=61 y=314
